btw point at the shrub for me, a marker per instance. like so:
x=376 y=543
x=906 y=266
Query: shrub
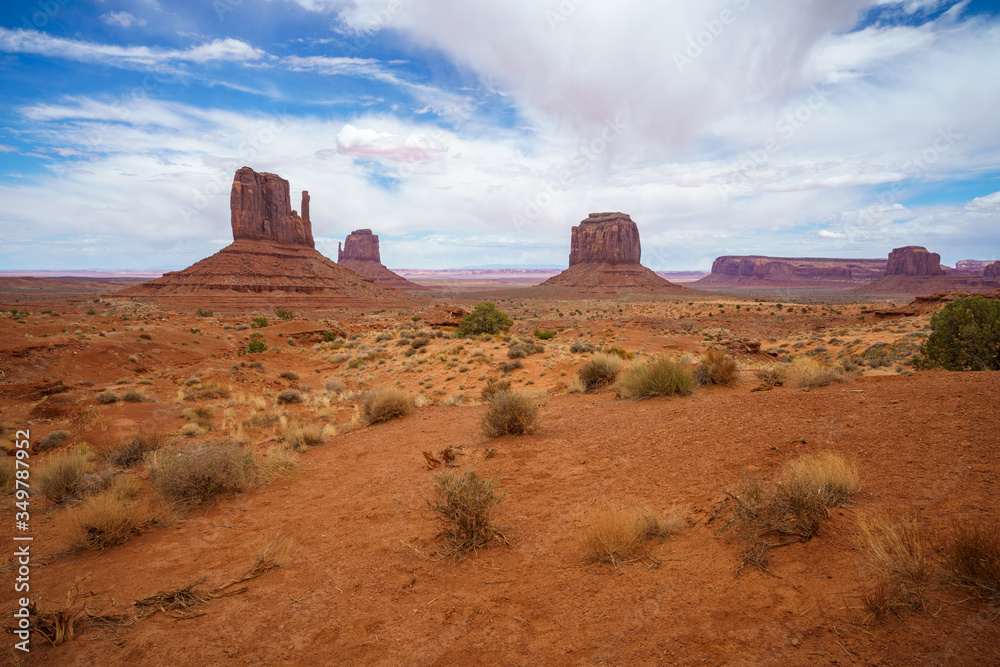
x=52 y=440
x=965 y=336
x=509 y=412
x=385 y=404
x=826 y=475
x=543 y=334
x=290 y=375
x=63 y=478
x=972 y=557
x=335 y=385
x=810 y=374
x=717 y=367
x=419 y=342
x=289 y=396
x=202 y=472
x=468 y=505
x=133 y=396
x=106 y=397
x=202 y=312
x=519 y=349
x=255 y=346
x=199 y=415
x=618 y=351
x=613 y=533
x=304 y=437
x=895 y=553
x=601 y=371
x=772 y=376
x=577 y=347
x=485 y=318
x=660 y=377
x=206 y=391
x=283 y=314
x=508 y=366
x=494 y=385
x=130 y=451
x=145 y=336
x=105 y=520
x=260 y=322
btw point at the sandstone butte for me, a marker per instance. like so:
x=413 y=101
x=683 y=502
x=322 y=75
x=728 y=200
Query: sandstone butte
x=760 y=270
x=912 y=270
x=604 y=259
x=272 y=261
x=360 y=253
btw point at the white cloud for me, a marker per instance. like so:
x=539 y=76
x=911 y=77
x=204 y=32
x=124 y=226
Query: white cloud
x=122 y=19
x=371 y=143
x=989 y=202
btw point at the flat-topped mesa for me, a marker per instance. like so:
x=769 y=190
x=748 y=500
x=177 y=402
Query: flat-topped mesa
x=914 y=260
x=992 y=272
x=612 y=238
x=360 y=245
x=261 y=210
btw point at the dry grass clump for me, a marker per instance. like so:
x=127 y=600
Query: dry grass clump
x=615 y=533
x=772 y=376
x=335 y=385
x=972 y=558
x=279 y=461
x=467 y=505
x=63 y=478
x=493 y=386
x=385 y=404
x=601 y=371
x=289 y=375
x=302 y=438
x=202 y=472
x=105 y=520
x=659 y=377
x=106 y=397
x=289 y=396
x=808 y=373
x=717 y=367
x=199 y=415
x=793 y=509
x=130 y=450
x=206 y=391
x=52 y=440
x=8 y=475
x=618 y=351
x=895 y=553
x=510 y=412
x=133 y=396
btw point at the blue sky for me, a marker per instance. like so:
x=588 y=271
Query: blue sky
x=479 y=133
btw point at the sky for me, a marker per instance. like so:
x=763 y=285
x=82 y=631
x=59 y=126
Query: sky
x=478 y=133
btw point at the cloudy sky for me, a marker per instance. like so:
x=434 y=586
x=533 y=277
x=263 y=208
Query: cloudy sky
x=477 y=133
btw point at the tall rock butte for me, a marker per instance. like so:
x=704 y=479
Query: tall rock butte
x=604 y=258
x=360 y=253
x=271 y=261
x=912 y=270
x=992 y=272
x=914 y=260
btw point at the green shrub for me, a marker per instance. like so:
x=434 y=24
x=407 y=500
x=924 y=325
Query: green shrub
x=260 y=322
x=485 y=318
x=284 y=314
x=600 y=372
x=201 y=312
x=201 y=472
x=509 y=412
x=329 y=336
x=544 y=334
x=385 y=404
x=965 y=336
x=255 y=346
x=660 y=377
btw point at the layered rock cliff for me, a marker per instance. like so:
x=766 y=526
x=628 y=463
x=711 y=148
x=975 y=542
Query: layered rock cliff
x=360 y=253
x=611 y=238
x=261 y=210
x=913 y=260
x=757 y=269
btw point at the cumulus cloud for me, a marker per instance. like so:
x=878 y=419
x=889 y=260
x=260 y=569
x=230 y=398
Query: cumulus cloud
x=122 y=19
x=371 y=143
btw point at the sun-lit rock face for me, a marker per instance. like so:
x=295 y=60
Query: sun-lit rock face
x=261 y=210
x=611 y=238
x=913 y=260
x=360 y=253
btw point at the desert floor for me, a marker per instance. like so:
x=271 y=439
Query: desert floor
x=360 y=584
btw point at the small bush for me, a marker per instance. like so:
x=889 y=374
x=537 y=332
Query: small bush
x=772 y=376
x=576 y=347
x=895 y=553
x=972 y=558
x=255 y=346
x=660 y=377
x=52 y=439
x=130 y=451
x=303 y=438
x=202 y=472
x=290 y=375
x=519 y=349
x=335 y=385
x=812 y=375
x=543 y=334
x=468 y=505
x=618 y=351
x=199 y=415
x=508 y=366
x=260 y=322
x=717 y=367
x=105 y=520
x=133 y=396
x=485 y=318
x=206 y=391
x=385 y=404
x=509 y=412
x=494 y=385
x=106 y=397
x=419 y=342
x=601 y=371
x=63 y=478
x=289 y=396
x=965 y=336
x=145 y=336
x=613 y=533
x=202 y=312
x=284 y=314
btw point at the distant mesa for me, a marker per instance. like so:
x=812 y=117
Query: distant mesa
x=360 y=253
x=992 y=271
x=914 y=260
x=914 y=271
x=757 y=270
x=604 y=258
x=272 y=259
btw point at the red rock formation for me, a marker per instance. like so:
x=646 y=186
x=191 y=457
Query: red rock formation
x=913 y=260
x=604 y=259
x=992 y=271
x=360 y=253
x=611 y=238
x=261 y=210
x=755 y=269
x=271 y=260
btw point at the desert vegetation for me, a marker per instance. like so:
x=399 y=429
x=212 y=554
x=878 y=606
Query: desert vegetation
x=509 y=413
